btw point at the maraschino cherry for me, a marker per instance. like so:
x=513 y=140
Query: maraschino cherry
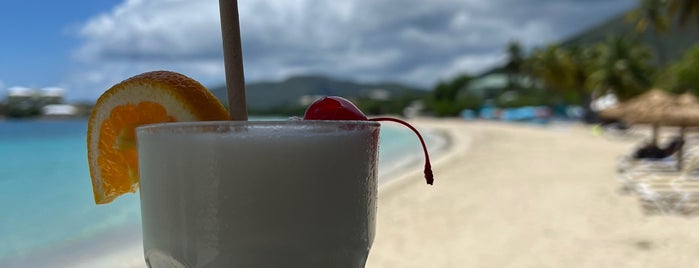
x=333 y=108
x=339 y=108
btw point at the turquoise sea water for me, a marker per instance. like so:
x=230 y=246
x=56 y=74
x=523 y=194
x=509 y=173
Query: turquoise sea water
x=46 y=194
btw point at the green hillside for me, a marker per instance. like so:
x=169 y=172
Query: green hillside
x=286 y=93
x=672 y=43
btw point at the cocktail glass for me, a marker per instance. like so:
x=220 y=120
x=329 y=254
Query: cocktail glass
x=258 y=193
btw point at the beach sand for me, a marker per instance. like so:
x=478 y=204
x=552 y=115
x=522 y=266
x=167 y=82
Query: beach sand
x=513 y=195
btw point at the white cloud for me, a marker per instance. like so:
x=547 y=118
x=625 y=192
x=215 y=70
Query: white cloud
x=153 y=30
x=89 y=83
x=414 y=41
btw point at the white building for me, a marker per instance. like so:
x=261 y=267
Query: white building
x=35 y=100
x=59 y=110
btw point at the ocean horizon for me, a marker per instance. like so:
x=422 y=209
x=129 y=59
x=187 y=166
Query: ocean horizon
x=47 y=199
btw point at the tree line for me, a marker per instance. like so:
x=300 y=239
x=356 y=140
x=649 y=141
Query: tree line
x=576 y=74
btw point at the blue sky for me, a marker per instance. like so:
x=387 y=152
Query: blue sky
x=85 y=46
x=38 y=37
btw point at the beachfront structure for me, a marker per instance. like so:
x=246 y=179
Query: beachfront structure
x=484 y=85
x=59 y=110
x=24 y=96
x=495 y=82
x=25 y=101
x=379 y=94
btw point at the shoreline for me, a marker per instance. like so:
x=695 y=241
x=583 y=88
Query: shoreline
x=438 y=144
x=442 y=153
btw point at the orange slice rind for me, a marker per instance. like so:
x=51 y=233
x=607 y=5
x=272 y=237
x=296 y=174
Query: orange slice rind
x=152 y=97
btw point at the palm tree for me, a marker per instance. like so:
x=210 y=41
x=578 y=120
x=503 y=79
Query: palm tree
x=514 y=65
x=683 y=76
x=685 y=8
x=622 y=68
x=582 y=61
x=550 y=66
x=564 y=70
x=652 y=13
x=445 y=97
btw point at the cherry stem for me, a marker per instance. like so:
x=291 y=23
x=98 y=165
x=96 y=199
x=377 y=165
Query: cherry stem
x=429 y=176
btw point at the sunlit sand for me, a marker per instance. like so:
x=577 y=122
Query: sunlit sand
x=512 y=195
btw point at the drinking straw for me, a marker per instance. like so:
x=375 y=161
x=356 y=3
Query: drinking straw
x=233 y=59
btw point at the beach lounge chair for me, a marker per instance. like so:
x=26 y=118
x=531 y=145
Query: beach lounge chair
x=671 y=198
x=668 y=192
x=648 y=172
x=631 y=170
x=649 y=157
x=656 y=173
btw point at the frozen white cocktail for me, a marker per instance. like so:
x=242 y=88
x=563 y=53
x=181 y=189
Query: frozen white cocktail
x=258 y=194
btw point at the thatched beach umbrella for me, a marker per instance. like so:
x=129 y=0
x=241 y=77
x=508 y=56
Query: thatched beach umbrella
x=661 y=109
x=648 y=108
x=684 y=114
x=658 y=108
x=687 y=99
x=612 y=113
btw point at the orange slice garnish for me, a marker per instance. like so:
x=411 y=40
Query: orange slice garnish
x=152 y=97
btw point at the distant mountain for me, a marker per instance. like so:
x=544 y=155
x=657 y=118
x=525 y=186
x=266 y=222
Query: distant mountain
x=295 y=90
x=672 y=43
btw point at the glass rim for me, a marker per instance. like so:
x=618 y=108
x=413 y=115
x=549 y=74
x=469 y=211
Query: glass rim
x=193 y=125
